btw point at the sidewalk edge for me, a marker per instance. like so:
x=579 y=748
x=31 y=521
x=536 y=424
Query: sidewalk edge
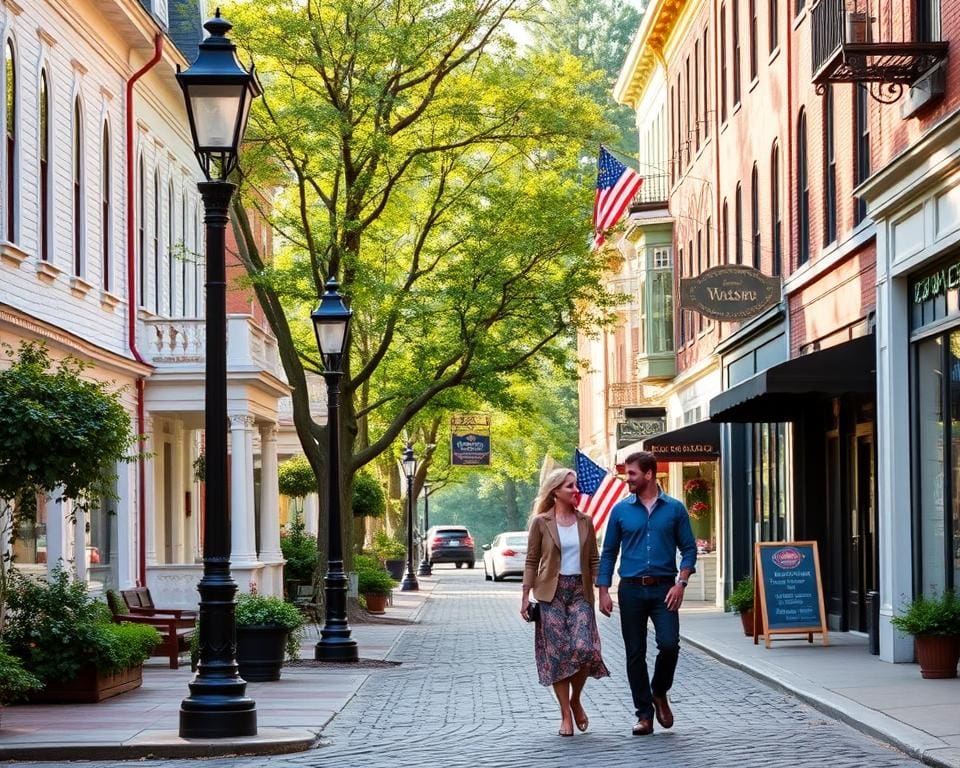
x=830 y=708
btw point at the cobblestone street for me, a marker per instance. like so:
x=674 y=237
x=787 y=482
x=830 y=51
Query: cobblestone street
x=466 y=695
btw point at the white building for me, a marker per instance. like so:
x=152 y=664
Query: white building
x=100 y=233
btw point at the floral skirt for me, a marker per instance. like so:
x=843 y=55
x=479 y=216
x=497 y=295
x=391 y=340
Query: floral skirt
x=566 y=638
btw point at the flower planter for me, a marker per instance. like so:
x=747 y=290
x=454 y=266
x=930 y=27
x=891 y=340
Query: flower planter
x=260 y=652
x=89 y=687
x=376 y=603
x=937 y=655
x=395 y=568
x=746 y=618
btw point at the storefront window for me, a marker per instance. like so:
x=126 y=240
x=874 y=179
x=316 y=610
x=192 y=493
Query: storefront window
x=770 y=481
x=930 y=470
x=30 y=537
x=953 y=360
x=700 y=497
x=101 y=545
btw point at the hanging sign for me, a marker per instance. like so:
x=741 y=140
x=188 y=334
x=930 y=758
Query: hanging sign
x=789 y=591
x=470 y=439
x=729 y=292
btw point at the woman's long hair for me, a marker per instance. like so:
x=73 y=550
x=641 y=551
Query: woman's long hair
x=544 y=501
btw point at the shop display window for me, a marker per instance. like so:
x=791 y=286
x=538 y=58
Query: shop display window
x=700 y=497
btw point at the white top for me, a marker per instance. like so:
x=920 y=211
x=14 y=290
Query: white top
x=569 y=549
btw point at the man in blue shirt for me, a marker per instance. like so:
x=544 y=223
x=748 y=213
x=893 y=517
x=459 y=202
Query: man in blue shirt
x=647 y=529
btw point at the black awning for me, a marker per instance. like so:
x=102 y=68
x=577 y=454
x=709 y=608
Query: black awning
x=783 y=392
x=695 y=442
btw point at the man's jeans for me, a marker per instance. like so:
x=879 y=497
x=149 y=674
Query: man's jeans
x=637 y=604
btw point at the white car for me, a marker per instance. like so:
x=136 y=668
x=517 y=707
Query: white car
x=505 y=555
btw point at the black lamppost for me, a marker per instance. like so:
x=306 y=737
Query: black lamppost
x=409 y=583
x=218 y=92
x=331 y=324
x=425 y=568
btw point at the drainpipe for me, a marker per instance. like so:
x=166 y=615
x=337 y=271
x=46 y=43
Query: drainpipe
x=132 y=313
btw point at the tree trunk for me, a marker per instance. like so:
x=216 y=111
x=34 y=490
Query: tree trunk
x=510 y=502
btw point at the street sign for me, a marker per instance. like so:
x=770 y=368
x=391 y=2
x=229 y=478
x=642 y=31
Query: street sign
x=470 y=439
x=789 y=591
x=729 y=292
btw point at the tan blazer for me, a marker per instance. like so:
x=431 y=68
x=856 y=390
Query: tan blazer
x=542 y=568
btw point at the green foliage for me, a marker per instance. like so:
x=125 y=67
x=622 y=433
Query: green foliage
x=15 y=681
x=936 y=615
x=300 y=552
x=386 y=547
x=296 y=478
x=741 y=599
x=57 y=430
x=369 y=500
x=375 y=582
x=55 y=628
x=365 y=562
x=258 y=610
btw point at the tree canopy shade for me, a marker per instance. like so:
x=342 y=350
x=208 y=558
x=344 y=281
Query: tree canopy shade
x=57 y=430
x=434 y=168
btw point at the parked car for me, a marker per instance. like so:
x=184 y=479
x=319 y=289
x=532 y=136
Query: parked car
x=451 y=544
x=505 y=555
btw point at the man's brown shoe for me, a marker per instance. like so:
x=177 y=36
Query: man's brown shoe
x=664 y=713
x=643 y=728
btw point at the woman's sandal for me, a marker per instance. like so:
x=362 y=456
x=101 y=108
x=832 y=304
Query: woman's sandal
x=561 y=733
x=583 y=724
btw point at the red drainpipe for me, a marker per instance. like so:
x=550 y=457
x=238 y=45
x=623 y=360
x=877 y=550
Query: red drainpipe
x=132 y=310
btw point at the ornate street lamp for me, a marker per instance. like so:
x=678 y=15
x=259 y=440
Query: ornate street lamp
x=331 y=324
x=218 y=92
x=409 y=583
x=425 y=568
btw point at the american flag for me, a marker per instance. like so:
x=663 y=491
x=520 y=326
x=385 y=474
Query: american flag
x=599 y=489
x=616 y=187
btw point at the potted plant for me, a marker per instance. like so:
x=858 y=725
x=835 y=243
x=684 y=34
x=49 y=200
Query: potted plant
x=375 y=585
x=301 y=556
x=741 y=601
x=69 y=643
x=267 y=627
x=934 y=623
x=15 y=681
x=391 y=552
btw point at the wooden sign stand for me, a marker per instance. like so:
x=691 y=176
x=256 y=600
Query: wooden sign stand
x=803 y=584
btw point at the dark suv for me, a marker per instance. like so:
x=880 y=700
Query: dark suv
x=451 y=544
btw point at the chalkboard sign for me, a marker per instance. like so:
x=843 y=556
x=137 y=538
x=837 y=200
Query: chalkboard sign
x=789 y=592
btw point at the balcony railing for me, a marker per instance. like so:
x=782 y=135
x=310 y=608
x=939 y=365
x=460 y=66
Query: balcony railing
x=871 y=41
x=652 y=194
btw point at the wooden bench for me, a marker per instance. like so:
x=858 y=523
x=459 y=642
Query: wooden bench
x=139 y=601
x=176 y=627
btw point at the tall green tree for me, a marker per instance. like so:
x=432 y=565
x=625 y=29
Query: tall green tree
x=433 y=168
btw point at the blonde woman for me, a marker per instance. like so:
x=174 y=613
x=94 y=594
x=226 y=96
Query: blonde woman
x=560 y=570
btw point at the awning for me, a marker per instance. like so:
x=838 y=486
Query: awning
x=783 y=392
x=695 y=442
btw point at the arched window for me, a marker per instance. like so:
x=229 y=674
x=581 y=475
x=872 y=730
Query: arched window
x=776 y=216
x=77 y=188
x=10 y=134
x=157 y=268
x=755 y=217
x=738 y=225
x=862 y=130
x=142 y=230
x=753 y=39
x=723 y=63
x=106 y=192
x=735 y=23
x=705 y=115
x=803 y=191
x=829 y=171
x=46 y=200
x=725 y=233
x=171 y=255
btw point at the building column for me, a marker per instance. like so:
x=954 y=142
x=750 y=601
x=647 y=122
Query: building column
x=243 y=541
x=57 y=531
x=80 y=542
x=127 y=540
x=150 y=492
x=177 y=487
x=311 y=512
x=270 y=506
x=191 y=486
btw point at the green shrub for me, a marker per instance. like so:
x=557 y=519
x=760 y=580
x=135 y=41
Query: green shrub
x=388 y=548
x=300 y=552
x=365 y=562
x=296 y=478
x=741 y=599
x=368 y=498
x=936 y=615
x=258 y=610
x=15 y=681
x=376 y=582
x=55 y=628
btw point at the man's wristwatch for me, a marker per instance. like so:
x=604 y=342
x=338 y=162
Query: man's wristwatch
x=682 y=582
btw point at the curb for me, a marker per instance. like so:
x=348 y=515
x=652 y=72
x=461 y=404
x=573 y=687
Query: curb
x=880 y=731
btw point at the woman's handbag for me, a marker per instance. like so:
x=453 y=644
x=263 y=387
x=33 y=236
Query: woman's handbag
x=533 y=612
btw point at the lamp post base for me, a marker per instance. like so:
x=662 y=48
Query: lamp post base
x=409 y=583
x=425 y=568
x=217 y=711
x=336 y=649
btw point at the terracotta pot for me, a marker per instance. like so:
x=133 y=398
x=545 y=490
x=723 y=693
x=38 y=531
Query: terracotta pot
x=938 y=655
x=376 y=603
x=746 y=618
x=89 y=686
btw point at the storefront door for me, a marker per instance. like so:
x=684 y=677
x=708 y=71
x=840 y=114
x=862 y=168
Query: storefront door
x=862 y=522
